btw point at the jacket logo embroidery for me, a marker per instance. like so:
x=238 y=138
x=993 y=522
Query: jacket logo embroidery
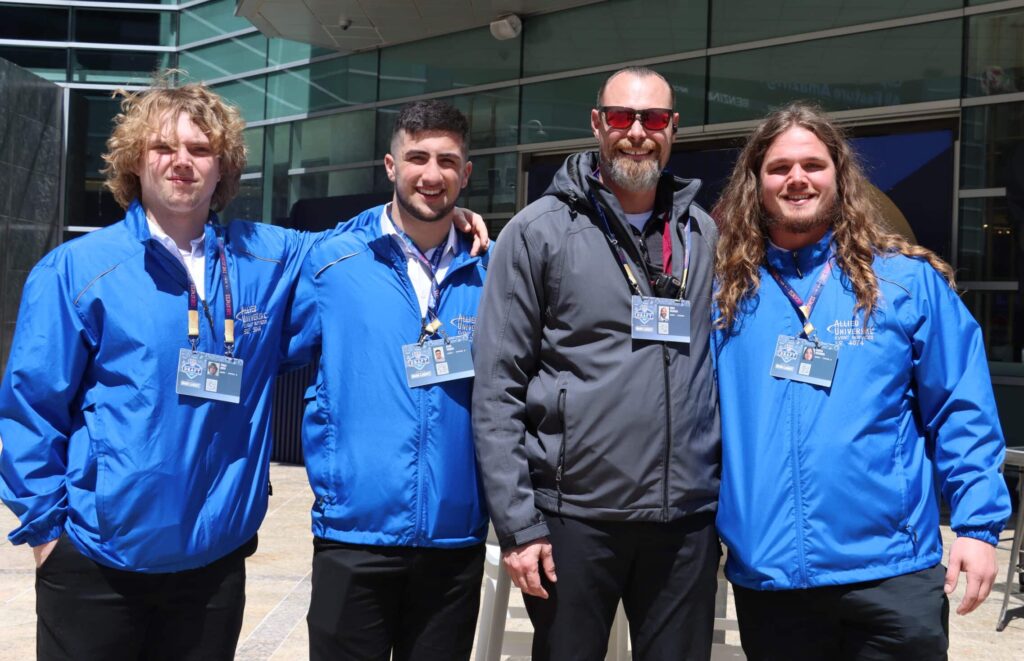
x=851 y=332
x=465 y=325
x=251 y=319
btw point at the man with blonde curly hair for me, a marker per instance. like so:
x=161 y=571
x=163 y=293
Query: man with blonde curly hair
x=854 y=390
x=135 y=412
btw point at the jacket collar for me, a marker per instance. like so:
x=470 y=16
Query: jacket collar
x=135 y=220
x=385 y=247
x=802 y=261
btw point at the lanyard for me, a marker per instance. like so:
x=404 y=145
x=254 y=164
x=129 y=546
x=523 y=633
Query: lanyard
x=803 y=310
x=666 y=245
x=193 y=306
x=431 y=266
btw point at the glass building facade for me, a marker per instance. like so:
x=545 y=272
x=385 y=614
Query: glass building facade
x=933 y=90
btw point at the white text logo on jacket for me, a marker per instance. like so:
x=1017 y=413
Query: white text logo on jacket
x=251 y=319
x=851 y=332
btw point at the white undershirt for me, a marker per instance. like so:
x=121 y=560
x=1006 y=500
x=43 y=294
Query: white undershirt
x=417 y=270
x=194 y=260
x=638 y=220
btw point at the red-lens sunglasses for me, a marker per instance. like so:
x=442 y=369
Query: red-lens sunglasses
x=652 y=119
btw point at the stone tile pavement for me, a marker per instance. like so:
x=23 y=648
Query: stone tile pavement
x=279 y=582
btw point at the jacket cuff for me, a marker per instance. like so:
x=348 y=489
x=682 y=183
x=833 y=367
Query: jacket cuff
x=38 y=533
x=983 y=534
x=525 y=536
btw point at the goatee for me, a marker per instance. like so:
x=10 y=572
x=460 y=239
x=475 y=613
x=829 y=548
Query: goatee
x=631 y=175
x=803 y=225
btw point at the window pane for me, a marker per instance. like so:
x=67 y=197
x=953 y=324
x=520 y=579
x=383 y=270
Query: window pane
x=989 y=233
x=995 y=59
x=609 y=32
x=736 y=21
x=283 y=51
x=493 y=119
x=247 y=205
x=992 y=146
x=323 y=85
x=249 y=95
x=358 y=181
x=492 y=184
x=211 y=19
x=456 y=60
x=33 y=23
x=225 y=58
x=1000 y=315
x=48 y=63
x=91 y=115
x=119 y=67
x=333 y=140
x=560 y=109
x=254 y=149
x=151 y=28
x=884 y=68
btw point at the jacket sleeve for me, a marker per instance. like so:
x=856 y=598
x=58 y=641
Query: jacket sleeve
x=957 y=407
x=48 y=357
x=506 y=348
x=301 y=336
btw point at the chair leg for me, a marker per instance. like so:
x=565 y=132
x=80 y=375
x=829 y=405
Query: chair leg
x=1015 y=567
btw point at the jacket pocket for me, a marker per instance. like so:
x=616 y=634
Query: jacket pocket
x=560 y=466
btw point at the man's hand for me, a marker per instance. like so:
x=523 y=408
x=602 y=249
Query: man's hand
x=978 y=559
x=468 y=222
x=43 y=551
x=523 y=566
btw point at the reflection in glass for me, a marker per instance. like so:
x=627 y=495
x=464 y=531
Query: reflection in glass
x=118 y=67
x=254 y=149
x=560 y=109
x=492 y=185
x=247 y=205
x=492 y=116
x=995 y=59
x=1001 y=317
x=323 y=85
x=284 y=51
x=333 y=140
x=150 y=28
x=248 y=94
x=992 y=146
x=210 y=19
x=990 y=239
x=737 y=21
x=883 y=68
x=330 y=184
x=225 y=58
x=608 y=32
x=445 y=63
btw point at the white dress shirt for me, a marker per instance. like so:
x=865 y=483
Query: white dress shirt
x=418 y=272
x=194 y=259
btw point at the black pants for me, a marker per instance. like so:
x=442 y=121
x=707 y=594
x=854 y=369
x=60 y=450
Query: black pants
x=904 y=617
x=86 y=610
x=664 y=573
x=372 y=601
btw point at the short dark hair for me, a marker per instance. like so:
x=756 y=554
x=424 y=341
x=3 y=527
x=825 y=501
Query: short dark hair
x=639 y=72
x=432 y=115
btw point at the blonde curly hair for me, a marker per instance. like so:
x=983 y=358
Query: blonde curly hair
x=143 y=111
x=856 y=234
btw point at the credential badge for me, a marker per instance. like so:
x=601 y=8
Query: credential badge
x=418 y=359
x=192 y=368
x=786 y=352
x=643 y=310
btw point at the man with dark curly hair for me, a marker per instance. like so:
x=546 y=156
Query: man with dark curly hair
x=135 y=411
x=854 y=390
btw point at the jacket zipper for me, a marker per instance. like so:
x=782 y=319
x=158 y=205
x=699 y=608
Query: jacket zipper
x=561 y=448
x=668 y=432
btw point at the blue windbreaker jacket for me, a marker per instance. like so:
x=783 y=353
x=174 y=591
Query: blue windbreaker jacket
x=95 y=441
x=825 y=486
x=389 y=465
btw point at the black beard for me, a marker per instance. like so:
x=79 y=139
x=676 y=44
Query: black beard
x=415 y=213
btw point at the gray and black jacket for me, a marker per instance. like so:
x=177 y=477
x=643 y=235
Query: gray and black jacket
x=570 y=414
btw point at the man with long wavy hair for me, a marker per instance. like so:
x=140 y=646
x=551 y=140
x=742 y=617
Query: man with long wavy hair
x=135 y=411
x=832 y=466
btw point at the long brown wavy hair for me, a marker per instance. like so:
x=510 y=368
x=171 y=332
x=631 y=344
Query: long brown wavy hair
x=142 y=112
x=857 y=236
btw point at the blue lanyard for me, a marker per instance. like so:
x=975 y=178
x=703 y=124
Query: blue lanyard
x=431 y=323
x=803 y=310
x=193 y=306
x=665 y=257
